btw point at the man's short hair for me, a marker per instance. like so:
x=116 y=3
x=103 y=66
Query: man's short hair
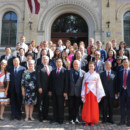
x=45 y=57
x=108 y=62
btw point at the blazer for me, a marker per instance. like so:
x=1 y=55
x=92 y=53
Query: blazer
x=24 y=62
x=110 y=87
x=58 y=84
x=74 y=89
x=90 y=58
x=121 y=80
x=84 y=64
x=15 y=81
x=43 y=78
x=9 y=62
x=100 y=66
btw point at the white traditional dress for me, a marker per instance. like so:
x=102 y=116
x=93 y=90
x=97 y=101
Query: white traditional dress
x=3 y=98
x=92 y=92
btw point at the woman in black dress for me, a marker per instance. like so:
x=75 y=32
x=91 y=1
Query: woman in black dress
x=29 y=89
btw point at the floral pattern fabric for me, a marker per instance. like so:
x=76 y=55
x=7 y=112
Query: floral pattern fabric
x=29 y=83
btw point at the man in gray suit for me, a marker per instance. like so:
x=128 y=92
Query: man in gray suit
x=99 y=64
x=43 y=73
x=109 y=82
x=75 y=77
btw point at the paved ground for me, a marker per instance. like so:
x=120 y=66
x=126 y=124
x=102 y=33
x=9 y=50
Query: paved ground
x=36 y=125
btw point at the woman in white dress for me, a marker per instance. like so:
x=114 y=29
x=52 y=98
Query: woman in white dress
x=4 y=85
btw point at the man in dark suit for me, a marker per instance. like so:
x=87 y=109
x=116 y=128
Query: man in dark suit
x=99 y=64
x=7 y=57
x=58 y=89
x=22 y=57
x=83 y=62
x=109 y=82
x=15 y=89
x=43 y=53
x=43 y=73
x=75 y=78
x=124 y=92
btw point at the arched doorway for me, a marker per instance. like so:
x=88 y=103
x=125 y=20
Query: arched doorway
x=69 y=27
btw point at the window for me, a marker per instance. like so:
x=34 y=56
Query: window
x=9 y=29
x=127 y=28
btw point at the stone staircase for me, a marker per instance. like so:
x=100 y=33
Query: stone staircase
x=7 y=113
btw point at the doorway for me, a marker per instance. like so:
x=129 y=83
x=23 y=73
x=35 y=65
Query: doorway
x=70 y=27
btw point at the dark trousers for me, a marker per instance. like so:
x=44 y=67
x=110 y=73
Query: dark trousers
x=43 y=104
x=74 y=104
x=16 y=103
x=124 y=100
x=107 y=107
x=58 y=107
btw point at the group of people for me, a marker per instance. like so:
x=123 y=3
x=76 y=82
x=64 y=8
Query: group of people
x=83 y=76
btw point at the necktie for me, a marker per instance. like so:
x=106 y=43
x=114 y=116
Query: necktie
x=125 y=79
x=57 y=73
x=7 y=58
x=15 y=71
x=108 y=76
x=21 y=58
x=47 y=70
x=96 y=67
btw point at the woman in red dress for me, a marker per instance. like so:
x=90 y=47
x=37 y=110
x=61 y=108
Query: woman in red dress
x=92 y=92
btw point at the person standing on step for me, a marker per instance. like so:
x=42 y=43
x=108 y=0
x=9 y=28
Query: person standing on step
x=124 y=92
x=43 y=75
x=4 y=85
x=109 y=82
x=58 y=89
x=15 y=88
x=75 y=78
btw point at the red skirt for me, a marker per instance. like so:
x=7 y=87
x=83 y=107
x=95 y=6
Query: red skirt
x=90 y=111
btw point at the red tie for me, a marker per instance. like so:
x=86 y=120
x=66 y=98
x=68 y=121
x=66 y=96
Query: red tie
x=47 y=70
x=57 y=73
x=108 y=76
x=125 y=79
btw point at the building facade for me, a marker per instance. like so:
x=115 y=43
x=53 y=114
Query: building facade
x=76 y=20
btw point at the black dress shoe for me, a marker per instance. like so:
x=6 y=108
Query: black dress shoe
x=128 y=124
x=111 y=121
x=52 y=121
x=40 y=119
x=60 y=122
x=103 y=122
x=18 y=118
x=12 y=118
x=122 y=123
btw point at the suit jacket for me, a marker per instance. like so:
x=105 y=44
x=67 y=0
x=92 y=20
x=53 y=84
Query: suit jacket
x=15 y=81
x=121 y=80
x=43 y=78
x=58 y=84
x=83 y=64
x=74 y=89
x=100 y=66
x=24 y=62
x=10 y=60
x=39 y=61
x=110 y=87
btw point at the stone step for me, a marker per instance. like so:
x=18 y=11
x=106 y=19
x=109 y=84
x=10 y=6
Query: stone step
x=7 y=114
x=116 y=111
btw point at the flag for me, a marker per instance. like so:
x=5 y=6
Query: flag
x=34 y=6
